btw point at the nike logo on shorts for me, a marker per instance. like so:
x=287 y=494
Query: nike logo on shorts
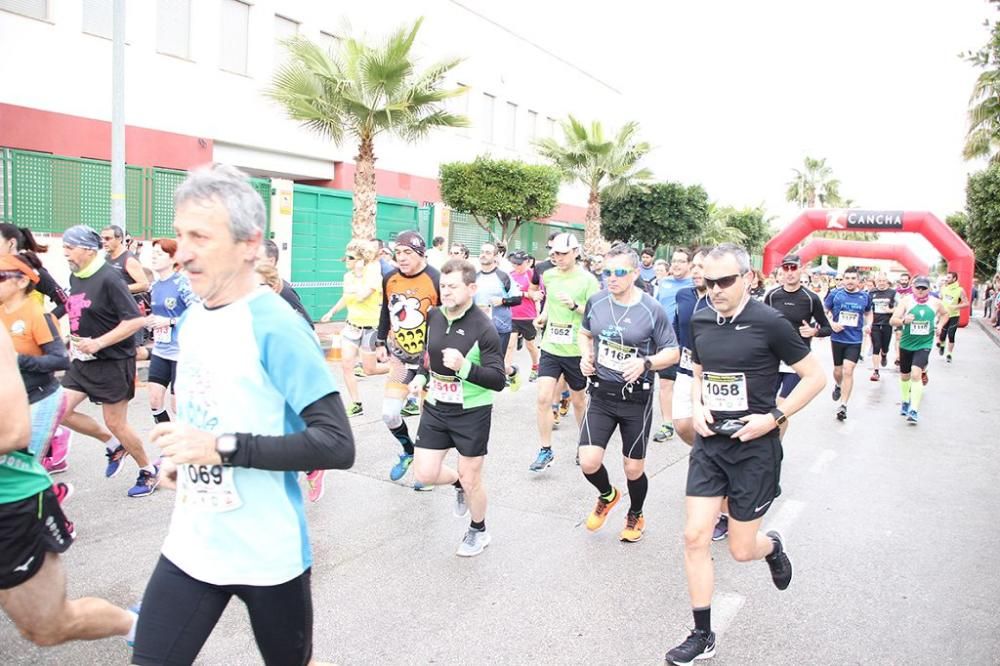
x=24 y=567
x=763 y=505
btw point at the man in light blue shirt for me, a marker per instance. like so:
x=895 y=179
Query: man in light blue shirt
x=666 y=293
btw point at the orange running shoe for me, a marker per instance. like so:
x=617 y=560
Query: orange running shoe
x=634 y=525
x=595 y=520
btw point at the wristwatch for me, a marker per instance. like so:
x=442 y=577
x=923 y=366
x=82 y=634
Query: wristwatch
x=576 y=306
x=779 y=416
x=647 y=365
x=225 y=446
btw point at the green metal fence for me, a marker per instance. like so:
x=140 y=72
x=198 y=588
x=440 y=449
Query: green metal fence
x=50 y=193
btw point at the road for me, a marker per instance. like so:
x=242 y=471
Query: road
x=889 y=527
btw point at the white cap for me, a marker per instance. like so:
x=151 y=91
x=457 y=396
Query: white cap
x=564 y=243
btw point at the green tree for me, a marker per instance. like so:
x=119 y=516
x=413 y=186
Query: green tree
x=604 y=165
x=655 y=215
x=982 y=140
x=754 y=223
x=718 y=230
x=504 y=191
x=959 y=223
x=982 y=203
x=360 y=91
x=813 y=184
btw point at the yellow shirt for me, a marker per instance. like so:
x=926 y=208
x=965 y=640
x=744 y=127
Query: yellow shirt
x=364 y=313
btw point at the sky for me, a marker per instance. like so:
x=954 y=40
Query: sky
x=734 y=95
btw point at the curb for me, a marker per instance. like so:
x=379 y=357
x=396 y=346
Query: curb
x=992 y=333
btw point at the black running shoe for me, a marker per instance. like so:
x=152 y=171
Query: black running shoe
x=842 y=413
x=885 y=360
x=699 y=645
x=836 y=392
x=781 y=566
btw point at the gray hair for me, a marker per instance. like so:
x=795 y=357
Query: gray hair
x=230 y=187
x=735 y=251
x=623 y=251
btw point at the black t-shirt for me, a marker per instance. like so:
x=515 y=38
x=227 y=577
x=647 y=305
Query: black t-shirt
x=883 y=303
x=739 y=359
x=798 y=306
x=292 y=298
x=541 y=267
x=96 y=305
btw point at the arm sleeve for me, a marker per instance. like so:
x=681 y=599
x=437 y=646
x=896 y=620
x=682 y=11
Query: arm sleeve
x=490 y=374
x=383 y=318
x=512 y=289
x=326 y=443
x=53 y=358
x=819 y=314
x=49 y=287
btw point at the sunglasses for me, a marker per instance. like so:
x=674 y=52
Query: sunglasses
x=457 y=253
x=10 y=275
x=107 y=238
x=724 y=282
x=617 y=272
x=921 y=288
x=789 y=267
x=350 y=258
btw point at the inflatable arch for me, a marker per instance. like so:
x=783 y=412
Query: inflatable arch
x=817 y=247
x=959 y=256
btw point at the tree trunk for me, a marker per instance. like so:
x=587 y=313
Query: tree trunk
x=593 y=242
x=363 y=220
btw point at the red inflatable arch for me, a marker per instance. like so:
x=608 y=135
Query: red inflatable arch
x=842 y=248
x=959 y=256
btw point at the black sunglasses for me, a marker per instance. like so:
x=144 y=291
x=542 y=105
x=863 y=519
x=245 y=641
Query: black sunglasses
x=789 y=267
x=724 y=282
x=350 y=257
x=922 y=288
x=10 y=275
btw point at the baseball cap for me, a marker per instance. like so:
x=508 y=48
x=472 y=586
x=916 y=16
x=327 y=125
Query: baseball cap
x=412 y=240
x=11 y=263
x=792 y=259
x=922 y=282
x=518 y=257
x=564 y=243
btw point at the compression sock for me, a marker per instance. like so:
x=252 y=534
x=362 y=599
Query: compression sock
x=402 y=435
x=916 y=393
x=904 y=384
x=600 y=480
x=637 y=490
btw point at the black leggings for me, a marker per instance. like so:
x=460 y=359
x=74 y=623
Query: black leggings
x=949 y=330
x=179 y=612
x=881 y=338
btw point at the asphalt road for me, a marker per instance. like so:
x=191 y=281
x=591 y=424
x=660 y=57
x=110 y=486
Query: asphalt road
x=890 y=529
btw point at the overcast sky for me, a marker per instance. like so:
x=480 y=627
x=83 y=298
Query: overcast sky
x=735 y=94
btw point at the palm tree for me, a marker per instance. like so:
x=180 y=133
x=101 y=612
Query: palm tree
x=599 y=163
x=717 y=230
x=361 y=91
x=983 y=138
x=814 y=183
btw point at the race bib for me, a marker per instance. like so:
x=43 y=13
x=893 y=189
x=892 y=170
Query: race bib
x=686 y=362
x=725 y=392
x=920 y=327
x=209 y=488
x=848 y=319
x=614 y=356
x=561 y=334
x=161 y=334
x=75 y=354
x=881 y=306
x=446 y=389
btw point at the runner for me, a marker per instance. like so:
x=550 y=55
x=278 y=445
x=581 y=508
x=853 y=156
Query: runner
x=804 y=311
x=523 y=314
x=16 y=240
x=127 y=266
x=267 y=255
x=103 y=320
x=883 y=303
x=496 y=293
x=567 y=287
x=689 y=301
x=458 y=251
x=735 y=356
x=850 y=313
x=666 y=293
x=903 y=288
x=436 y=256
x=465 y=367
x=255 y=403
x=921 y=316
x=647 y=271
x=560 y=407
x=624 y=337
x=955 y=299
x=407 y=294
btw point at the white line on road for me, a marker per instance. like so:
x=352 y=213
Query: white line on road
x=725 y=606
x=786 y=516
x=824 y=459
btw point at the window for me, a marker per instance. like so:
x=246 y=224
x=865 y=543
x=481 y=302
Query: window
x=329 y=41
x=511 y=125
x=38 y=9
x=284 y=28
x=173 y=27
x=235 y=32
x=550 y=127
x=489 y=102
x=532 y=125
x=98 y=18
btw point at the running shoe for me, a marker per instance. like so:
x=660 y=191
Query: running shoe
x=836 y=392
x=59 y=446
x=904 y=409
x=356 y=409
x=399 y=470
x=474 y=542
x=63 y=491
x=940 y=349
x=115 y=459
x=71 y=529
x=555 y=418
x=543 y=461
x=514 y=380
x=780 y=565
x=634 y=525
x=316 y=485
x=874 y=376
x=912 y=417
x=699 y=645
x=924 y=379
x=422 y=488
x=359 y=372
x=411 y=408
x=54 y=467
x=595 y=520
x=885 y=360
x=948 y=358
x=145 y=484
x=721 y=530
x=665 y=432
x=564 y=405
x=461 y=509
x=842 y=413
x=533 y=377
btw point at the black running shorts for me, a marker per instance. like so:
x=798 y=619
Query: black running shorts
x=465 y=430
x=881 y=338
x=162 y=371
x=949 y=329
x=787 y=381
x=103 y=381
x=845 y=352
x=909 y=358
x=179 y=612
x=669 y=373
x=748 y=473
x=29 y=529
x=606 y=411
x=525 y=328
x=550 y=365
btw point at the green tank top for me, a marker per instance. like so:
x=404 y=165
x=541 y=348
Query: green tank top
x=21 y=476
x=919 y=333
x=950 y=295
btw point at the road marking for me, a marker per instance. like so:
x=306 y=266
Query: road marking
x=725 y=606
x=824 y=459
x=786 y=516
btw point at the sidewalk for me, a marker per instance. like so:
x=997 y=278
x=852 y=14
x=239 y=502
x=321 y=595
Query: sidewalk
x=992 y=333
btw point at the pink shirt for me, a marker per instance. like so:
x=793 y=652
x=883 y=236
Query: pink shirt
x=527 y=309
